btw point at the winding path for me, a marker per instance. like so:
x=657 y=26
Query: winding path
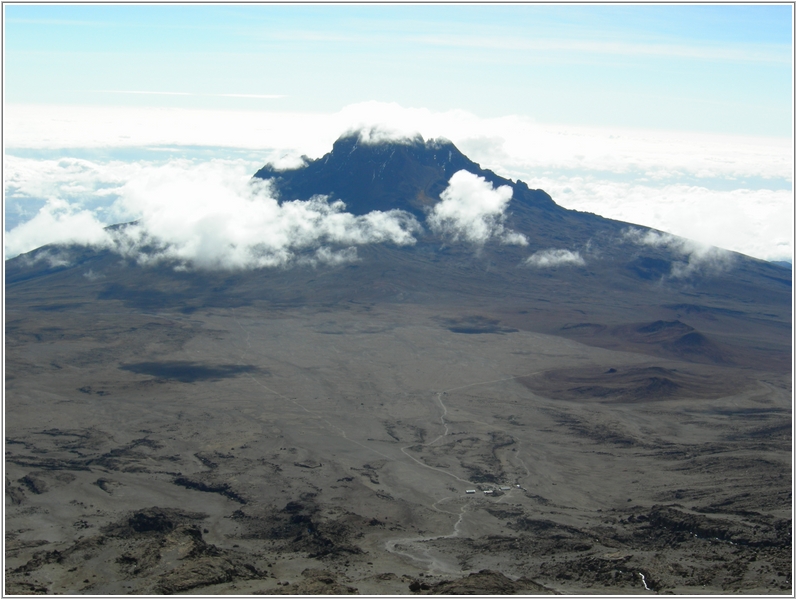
x=421 y=555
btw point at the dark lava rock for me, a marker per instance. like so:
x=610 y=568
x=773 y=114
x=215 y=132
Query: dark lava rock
x=208 y=570
x=34 y=484
x=316 y=582
x=152 y=520
x=485 y=582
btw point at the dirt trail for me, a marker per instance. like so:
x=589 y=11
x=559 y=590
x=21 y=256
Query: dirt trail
x=424 y=557
x=412 y=549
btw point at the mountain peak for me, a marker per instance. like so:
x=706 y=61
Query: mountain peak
x=375 y=136
x=379 y=147
x=369 y=170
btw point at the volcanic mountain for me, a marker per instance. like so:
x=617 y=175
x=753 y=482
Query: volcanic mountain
x=577 y=274
x=449 y=382
x=408 y=174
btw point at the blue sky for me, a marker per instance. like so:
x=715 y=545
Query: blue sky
x=677 y=117
x=686 y=67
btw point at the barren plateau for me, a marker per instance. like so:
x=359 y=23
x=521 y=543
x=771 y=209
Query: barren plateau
x=332 y=450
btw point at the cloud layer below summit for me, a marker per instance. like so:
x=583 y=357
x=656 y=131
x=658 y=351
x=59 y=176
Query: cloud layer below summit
x=730 y=191
x=215 y=216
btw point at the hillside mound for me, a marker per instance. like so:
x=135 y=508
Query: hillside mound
x=628 y=384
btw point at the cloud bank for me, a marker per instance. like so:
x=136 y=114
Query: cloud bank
x=755 y=222
x=209 y=218
x=509 y=144
x=470 y=209
x=215 y=217
x=733 y=192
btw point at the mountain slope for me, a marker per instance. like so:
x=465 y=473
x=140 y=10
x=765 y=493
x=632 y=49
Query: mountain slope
x=557 y=402
x=617 y=284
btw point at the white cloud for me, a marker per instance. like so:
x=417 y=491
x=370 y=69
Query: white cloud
x=327 y=256
x=380 y=133
x=208 y=214
x=471 y=210
x=92 y=276
x=516 y=144
x=755 y=222
x=697 y=258
x=29 y=177
x=57 y=222
x=554 y=258
x=513 y=238
x=212 y=215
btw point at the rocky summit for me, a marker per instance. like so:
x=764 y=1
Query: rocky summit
x=407 y=174
x=420 y=378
